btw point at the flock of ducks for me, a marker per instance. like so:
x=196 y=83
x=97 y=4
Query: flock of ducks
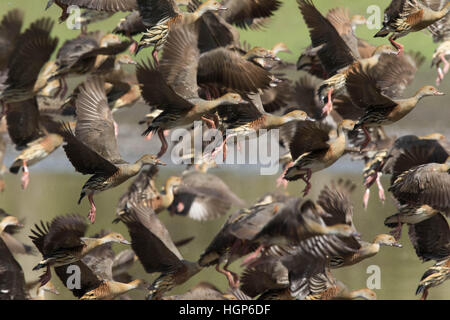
x=348 y=92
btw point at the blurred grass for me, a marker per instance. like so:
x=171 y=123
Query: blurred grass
x=287 y=25
x=51 y=194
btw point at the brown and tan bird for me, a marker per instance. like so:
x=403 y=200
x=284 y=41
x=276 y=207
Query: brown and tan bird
x=62 y=242
x=93 y=149
x=402 y=17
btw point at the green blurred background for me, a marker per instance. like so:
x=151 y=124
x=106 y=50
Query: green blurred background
x=54 y=187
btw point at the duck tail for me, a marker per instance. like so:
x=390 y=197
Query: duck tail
x=82 y=195
x=148 y=130
x=323 y=96
x=391 y=221
x=382 y=33
x=420 y=289
x=40 y=265
x=15 y=167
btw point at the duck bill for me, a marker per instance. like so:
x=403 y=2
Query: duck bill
x=160 y=163
x=125 y=242
x=398 y=245
x=222 y=8
x=310 y=119
x=438 y=93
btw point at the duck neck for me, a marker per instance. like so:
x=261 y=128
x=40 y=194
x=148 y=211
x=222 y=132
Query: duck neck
x=168 y=197
x=92 y=243
x=373 y=60
x=135 y=284
x=355 y=294
x=201 y=10
x=119 y=288
x=2 y=227
x=436 y=15
x=370 y=250
x=211 y=104
x=136 y=167
x=250 y=55
x=274 y=121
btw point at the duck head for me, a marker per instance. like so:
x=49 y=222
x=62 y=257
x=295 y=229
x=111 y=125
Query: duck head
x=210 y=5
x=49 y=287
x=115 y=237
x=150 y=159
x=347 y=125
x=172 y=182
x=109 y=39
x=358 y=20
x=344 y=230
x=233 y=98
x=260 y=52
x=384 y=49
x=365 y=294
x=280 y=47
x=428 y=91
x=297 y=115
x=9 y=221
x=386 y=240
x=124 y=58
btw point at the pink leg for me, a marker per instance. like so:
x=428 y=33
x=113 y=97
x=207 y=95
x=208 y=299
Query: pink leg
x=149 y=136
x=155 y=57
x=64 y=87
x=223 y=147
x=397 y=45
x=308 y=184
x=446 y=63
x=4 y=109
x=424 y=295
x=329 y=106
x=45 y=278
x=25 y=176
x=210 y=123
x=281 y=180
x=93 y=210
x=440 y=76
x=229 y=276
x=116 y=129
x=164 y=145
x=252 y=256
x=397 y=232
x=235 y=277
x=180 y=206
x=366 y=198
x=133 y=47
x=368 y=139
x=381 y=195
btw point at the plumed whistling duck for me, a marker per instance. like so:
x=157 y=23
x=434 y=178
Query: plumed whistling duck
x=93 y=148
x=379 y=109
x=62 y=242
x=433 y=277
x=314 y=146
x=12 y=286
x=156 y=251
x=404 y=16
x=161 y=16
